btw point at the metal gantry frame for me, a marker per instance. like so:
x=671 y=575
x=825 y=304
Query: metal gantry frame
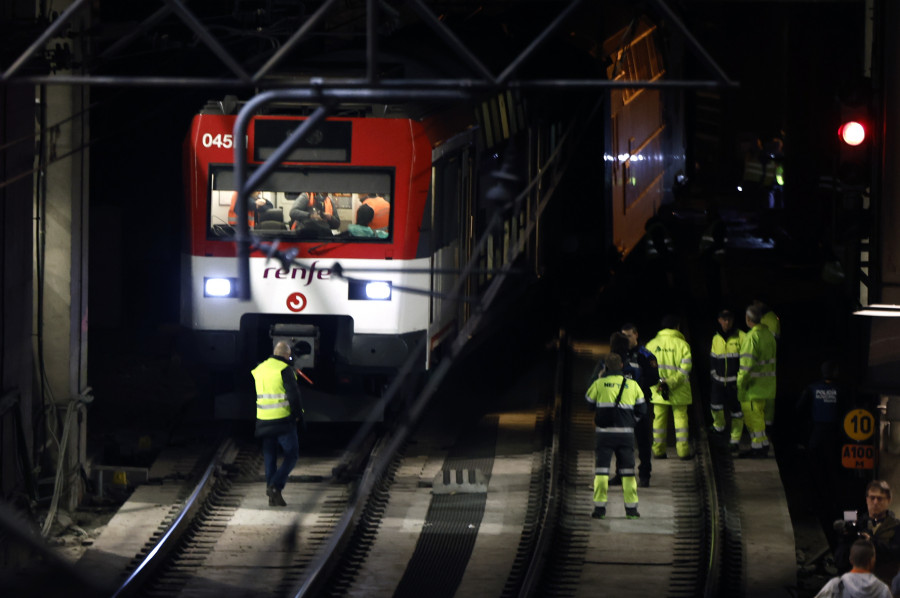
x=331 y=92
x=484 y=79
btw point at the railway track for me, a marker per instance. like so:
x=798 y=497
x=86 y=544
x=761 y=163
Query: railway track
x=497 y=504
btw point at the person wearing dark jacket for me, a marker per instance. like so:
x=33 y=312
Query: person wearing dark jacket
x=642 y=363
x=876 y=523
x=724 y=360
x=619 y=404
x=819 y=413
x=278 y=410
x=314 y=210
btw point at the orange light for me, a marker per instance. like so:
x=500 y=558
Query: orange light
x=852 y=133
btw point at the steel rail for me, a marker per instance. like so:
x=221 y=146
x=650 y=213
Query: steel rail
x=714 y=531
x=708 y=471
x=150 y=563
x=318 y=570
x=546 y=526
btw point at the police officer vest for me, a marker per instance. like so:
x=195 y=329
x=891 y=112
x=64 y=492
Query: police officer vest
x=825 y=402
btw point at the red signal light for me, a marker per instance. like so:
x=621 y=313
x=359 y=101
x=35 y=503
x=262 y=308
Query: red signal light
x=852 y=133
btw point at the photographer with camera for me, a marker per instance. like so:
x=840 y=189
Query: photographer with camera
x=876 y=523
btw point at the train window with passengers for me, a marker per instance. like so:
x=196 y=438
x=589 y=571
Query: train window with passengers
x=306 y=203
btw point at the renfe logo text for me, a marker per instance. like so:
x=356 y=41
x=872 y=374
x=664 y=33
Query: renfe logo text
x=299 y=273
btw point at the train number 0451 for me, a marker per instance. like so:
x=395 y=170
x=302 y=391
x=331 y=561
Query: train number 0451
x=218 y=140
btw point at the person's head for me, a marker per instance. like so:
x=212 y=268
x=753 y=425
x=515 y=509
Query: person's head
x=725 y=319
x=631 y=333
x=282 y=349
x=613 y=363
x=753 y=315
x=670 y=321
x=830 y=370
x=618 y=343
x=761 y=306
x=364 y=215
x=862 y=554
x=878 y=498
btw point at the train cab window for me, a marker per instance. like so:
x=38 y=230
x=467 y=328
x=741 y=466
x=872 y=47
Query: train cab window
x=307 y=204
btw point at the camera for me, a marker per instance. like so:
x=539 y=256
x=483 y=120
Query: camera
x=843 y=526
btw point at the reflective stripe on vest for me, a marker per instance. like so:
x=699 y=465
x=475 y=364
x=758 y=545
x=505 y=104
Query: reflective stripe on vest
x=271 y=398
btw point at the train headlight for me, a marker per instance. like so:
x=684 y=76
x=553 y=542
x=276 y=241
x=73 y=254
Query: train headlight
x=220 y=287
x=369 y=290
x=378 y=290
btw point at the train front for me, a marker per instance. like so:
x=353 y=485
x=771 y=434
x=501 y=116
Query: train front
x=350 y=197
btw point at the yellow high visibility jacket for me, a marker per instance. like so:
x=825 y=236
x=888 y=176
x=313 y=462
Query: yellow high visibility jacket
x=724 y=356
x=756 y=377
x=613 y=416
x=771 y=321
x=673 y=358
x=271 y=398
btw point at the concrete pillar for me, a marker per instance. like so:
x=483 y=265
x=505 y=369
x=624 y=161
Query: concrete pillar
x=61 y=206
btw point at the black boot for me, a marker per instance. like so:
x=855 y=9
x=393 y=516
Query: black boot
x=275 y=499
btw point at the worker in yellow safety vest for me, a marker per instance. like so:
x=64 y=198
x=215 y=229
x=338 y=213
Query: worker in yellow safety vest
x=278 y=411
x=771 y=321
x=756 y=380
x=673 y=392
x=619 y=404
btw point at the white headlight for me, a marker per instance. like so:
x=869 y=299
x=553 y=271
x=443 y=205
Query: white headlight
x=378 y=290
x=217 y=287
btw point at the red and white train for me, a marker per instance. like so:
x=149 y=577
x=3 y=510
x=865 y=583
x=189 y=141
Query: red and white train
x=353 y=336
x=433 y=175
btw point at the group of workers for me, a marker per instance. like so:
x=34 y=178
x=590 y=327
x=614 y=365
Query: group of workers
x=743 y=376
x=316 y=212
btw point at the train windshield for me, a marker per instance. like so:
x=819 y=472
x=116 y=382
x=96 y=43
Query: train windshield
x=306 y=203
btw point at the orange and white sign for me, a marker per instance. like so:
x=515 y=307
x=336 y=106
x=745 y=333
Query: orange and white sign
x=858 y=456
